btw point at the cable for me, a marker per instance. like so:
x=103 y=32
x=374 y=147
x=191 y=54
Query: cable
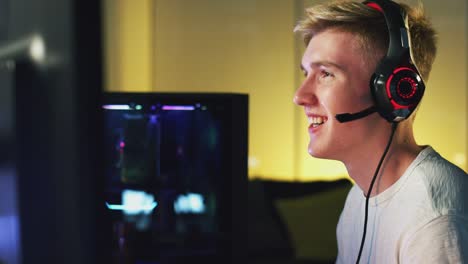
x=394 y=126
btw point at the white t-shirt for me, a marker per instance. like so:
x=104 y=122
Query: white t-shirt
x=422 y=218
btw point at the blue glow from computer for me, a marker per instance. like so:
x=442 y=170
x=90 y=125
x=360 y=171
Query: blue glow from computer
x=190 y=203
x=135 y=202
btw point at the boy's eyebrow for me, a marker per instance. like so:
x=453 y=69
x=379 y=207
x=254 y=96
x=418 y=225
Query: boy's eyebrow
x=324 y=63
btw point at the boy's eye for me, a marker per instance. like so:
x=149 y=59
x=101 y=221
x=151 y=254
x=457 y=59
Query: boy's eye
x=326 y=74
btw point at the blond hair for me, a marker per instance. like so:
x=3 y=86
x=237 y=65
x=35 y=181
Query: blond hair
x=371 y=30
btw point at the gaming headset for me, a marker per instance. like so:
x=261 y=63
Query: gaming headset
x=396 y=85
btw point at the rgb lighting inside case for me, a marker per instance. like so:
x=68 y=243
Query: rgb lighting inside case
x=168 y=161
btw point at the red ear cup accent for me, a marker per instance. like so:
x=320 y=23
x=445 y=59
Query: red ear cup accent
x=404 y=88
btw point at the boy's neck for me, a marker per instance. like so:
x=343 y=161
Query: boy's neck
x=402 y=152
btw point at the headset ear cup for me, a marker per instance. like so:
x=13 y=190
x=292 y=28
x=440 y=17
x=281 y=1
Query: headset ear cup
x=381 y=99
x=397 y=92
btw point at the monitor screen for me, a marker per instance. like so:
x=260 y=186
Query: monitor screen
x=173 y=164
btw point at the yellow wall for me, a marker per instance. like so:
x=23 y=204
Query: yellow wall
x=128 y=34
x=248 y=46
x=442 y=119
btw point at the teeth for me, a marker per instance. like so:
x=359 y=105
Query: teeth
x=316 y=121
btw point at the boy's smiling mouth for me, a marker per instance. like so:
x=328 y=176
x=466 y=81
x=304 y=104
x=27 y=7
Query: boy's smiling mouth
x=315 y=121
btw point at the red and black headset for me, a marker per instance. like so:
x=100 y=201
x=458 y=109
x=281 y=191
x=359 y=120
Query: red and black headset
x=396 y=85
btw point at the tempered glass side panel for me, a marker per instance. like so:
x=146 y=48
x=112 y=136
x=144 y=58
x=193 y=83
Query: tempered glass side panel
x=169 y=161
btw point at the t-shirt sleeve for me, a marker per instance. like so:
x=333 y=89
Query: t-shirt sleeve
x=442 y=240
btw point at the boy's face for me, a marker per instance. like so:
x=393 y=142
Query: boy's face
x=337 y=81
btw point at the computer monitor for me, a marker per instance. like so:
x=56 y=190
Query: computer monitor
x=176 y=175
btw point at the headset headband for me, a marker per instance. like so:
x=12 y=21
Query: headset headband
x=397 y=24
